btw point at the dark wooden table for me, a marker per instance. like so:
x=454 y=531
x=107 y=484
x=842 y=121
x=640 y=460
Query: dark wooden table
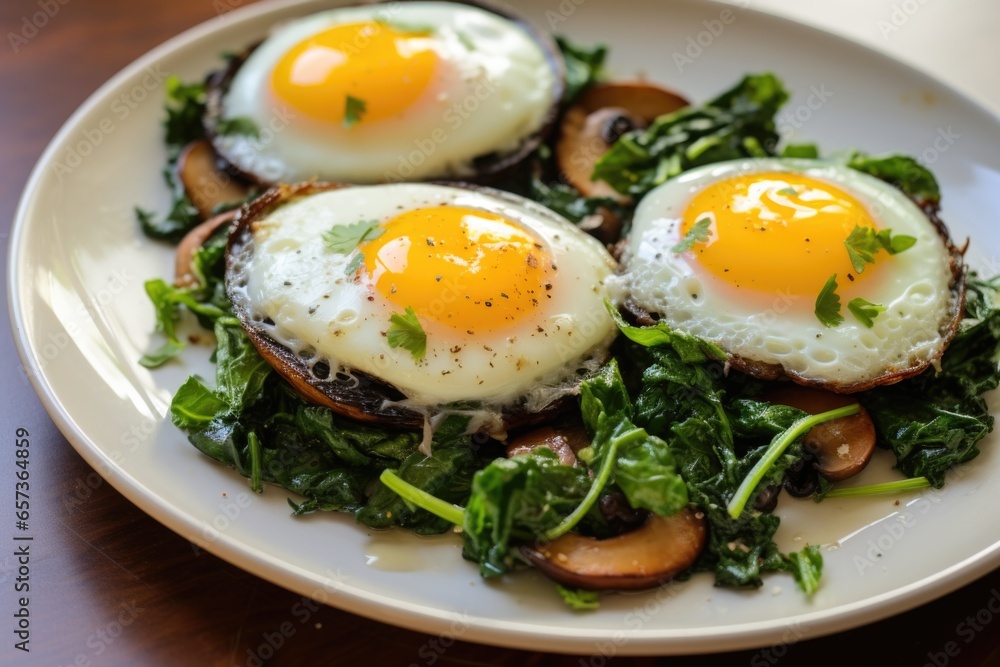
x=111 y=586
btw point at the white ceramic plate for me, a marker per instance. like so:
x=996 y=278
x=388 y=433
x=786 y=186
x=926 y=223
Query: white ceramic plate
x=78 y=263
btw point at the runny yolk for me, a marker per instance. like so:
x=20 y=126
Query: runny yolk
x=469 y=269
x=384 y=69
x=777 y=233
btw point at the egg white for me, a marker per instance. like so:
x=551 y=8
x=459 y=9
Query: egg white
x=320 y=313
x=782 y=329
x=494 y=90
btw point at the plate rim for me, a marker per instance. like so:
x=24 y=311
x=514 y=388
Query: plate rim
x=411 y=615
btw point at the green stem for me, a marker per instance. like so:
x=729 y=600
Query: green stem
x=600 y=480
x=880 y=489
x=256 y=476
x=776 y=449
x=422 y=499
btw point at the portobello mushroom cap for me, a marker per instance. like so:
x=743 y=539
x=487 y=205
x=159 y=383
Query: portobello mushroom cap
x=642 y=558
x=359 y=396
x=638 y=314
x=486 y=167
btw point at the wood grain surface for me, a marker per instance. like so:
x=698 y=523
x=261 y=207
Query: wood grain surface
x=111 y=586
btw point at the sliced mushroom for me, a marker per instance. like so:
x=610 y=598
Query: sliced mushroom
x=603 y=114
x=204 y=183
x=841 y=447
x=564 y=443
x=189 y=246
x=642 y=558
x=643 y=99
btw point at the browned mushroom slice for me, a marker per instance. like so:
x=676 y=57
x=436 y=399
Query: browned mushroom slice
x=645 y=100
x=564 y=442
x=601 y=115
x=189 y=246
x=842 y=447
x=204 y=183
x=642 y=558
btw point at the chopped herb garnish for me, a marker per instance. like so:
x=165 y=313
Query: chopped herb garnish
x=342 y=239
x=466 y=41
x=354 y=109
x=828 y=304
x=894 y=244
x=355 y=264
x=406 y=27
x=405 y=332
x=864 y=242
x=788 y=192
x=865 y=311
x=862 y=245
x=239 y=125
x=698 y=233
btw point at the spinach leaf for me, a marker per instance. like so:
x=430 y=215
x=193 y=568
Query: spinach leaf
x=255 y=423
x=182 y=217
x=737 y=124
x=934 y=421
x=185 y=107
x=642 y=466
x=520 y=498
x=583 y=67
x=901 y=171
x=167 y=301
x=716 y=443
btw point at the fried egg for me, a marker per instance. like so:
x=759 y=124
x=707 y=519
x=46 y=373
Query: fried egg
x=739 y=252
x=386 y=93
x=509 y=297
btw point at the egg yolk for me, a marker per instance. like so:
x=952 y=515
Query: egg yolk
x=466 y=268
x=379 y=67
x=776 y=232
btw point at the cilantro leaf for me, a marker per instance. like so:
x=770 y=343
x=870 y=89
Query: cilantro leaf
x=406 y=27
x=865 y=311
x=354 y=109
x=788 y=192
x=894 y=244
x=355 y=264
x=239 y=125
x=405 y=332
x=828 y=304
x=698 y=233
x=342 y=239
x=862 y=244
